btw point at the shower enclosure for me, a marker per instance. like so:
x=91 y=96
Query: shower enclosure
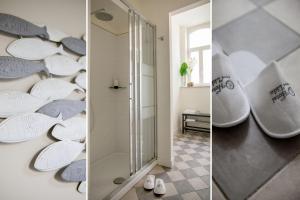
x=122 y=96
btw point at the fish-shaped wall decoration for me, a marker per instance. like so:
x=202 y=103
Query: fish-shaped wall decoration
x=82 y=61
x=53 y=89
x=33 y=49
x=71 y=129
x=81 y=80
x=75 y=45
x=68 y=108
x=16 y=103
x=20 y=27
x=11 y=68
x=56 y=35
x=82 y=187
x=26 y=126
x=58 y=155
x=61 y=65
x=75 y=172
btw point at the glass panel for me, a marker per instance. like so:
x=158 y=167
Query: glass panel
x=147 y=93
x=206 y=65
x=199 y=38
x=110 y=125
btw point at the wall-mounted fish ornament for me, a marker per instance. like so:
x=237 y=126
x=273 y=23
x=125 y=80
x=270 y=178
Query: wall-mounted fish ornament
x=75 y=45
x=33 y=49
x=71 y=129
x=81 y=80
x=68 y=108
x=20 y=27
x=56 y=35
x=53 y=89
x=82 y=61
x=16 y=103
x=58 y=155
x=63 y=65
x=75 y=172
x=11 y=68
x=82 y=187
x=26 y=126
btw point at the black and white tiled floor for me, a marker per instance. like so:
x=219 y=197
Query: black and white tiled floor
x=189 y=179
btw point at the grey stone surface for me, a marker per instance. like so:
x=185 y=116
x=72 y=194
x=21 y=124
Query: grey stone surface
x=74 y=44
x=75 y=172
x=245 y=157
x=11 y=67
x=259 y=33
x=284 y=185
x=68 y=108
x=20 y=27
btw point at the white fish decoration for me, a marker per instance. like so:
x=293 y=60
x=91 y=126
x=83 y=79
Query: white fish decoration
x=61 y=65
x=55 y=35
x=26 y=126
x=81 y=80
x=82 y=187
x=71 y=129
x=58 y=155
x=82 y=61
x=53 y=89
x=33 y=49
x=16 y=103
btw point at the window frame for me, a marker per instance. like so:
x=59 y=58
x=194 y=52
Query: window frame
x=200 y=50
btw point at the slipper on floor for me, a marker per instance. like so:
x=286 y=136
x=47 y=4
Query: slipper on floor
x=149 y=182
x=273 y=101
x=229 y=103
x=160 y=187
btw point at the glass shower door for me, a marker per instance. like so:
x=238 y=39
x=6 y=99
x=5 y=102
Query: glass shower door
x=142 y=92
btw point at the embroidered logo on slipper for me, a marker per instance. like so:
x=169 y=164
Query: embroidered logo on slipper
x=280 y=92
x=222 y=82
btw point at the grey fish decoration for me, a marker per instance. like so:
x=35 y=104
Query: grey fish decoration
x=68 y=108
x=75 y=45
x=20 y=27
x=11 y=68
x=75 y=172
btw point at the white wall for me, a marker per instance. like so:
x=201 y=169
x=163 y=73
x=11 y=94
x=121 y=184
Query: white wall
x=157 y=12
x=102 y=99
x=18 y=178
x=109 y=107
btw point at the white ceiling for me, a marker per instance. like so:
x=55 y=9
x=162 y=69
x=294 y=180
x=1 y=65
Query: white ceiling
x=193 y=17
x=119 y=24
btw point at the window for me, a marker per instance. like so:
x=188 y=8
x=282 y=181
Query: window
x=199 y=54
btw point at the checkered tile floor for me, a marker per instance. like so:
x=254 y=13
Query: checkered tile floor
x=189 y=179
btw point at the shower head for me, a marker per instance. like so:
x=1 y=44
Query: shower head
x=102 y=15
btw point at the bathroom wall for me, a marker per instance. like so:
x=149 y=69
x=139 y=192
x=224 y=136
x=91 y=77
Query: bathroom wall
x=19 y=179
x=109 y=107
x=157 y=12
x=102 y=99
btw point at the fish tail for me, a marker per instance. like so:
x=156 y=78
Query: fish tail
x=77 y=87
x=62 y=51
x=60 y=119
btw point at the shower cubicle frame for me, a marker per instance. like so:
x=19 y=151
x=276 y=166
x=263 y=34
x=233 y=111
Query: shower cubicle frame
x=137 y=170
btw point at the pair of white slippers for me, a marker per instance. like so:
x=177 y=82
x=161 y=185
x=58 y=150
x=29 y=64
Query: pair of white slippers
x=241 y=81
x=155 y=183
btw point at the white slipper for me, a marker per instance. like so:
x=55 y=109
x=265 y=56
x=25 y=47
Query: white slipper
x=160 y=187
x=149 y=182
x=274 y=104
x=229 y=103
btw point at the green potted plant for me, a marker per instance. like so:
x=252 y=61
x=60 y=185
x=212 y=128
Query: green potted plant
x=184 y=71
